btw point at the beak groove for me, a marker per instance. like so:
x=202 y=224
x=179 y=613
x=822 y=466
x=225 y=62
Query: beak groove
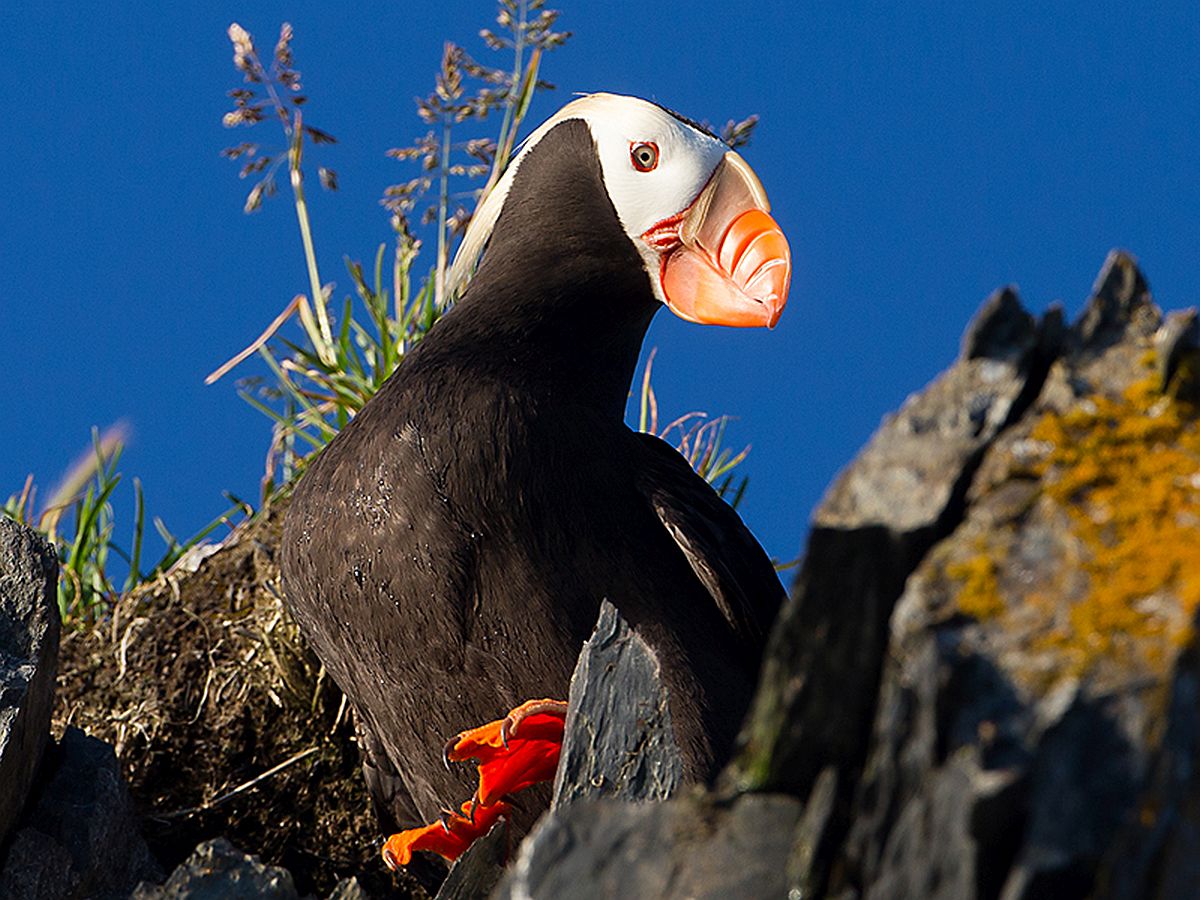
x=732 y=264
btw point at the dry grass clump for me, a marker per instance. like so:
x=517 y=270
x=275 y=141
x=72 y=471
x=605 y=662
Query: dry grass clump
x=320 y=381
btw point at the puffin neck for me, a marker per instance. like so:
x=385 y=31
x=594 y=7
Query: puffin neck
x=561 y=298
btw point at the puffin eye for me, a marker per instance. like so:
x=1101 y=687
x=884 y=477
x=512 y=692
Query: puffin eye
x=644 y=156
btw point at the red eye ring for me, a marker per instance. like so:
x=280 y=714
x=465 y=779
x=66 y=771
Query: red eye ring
x=644 y=155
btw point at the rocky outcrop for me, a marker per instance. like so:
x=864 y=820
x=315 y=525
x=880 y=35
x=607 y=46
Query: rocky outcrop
x=29 y=626
x=1037 y=711
x=80 y=837
x=691 y=846
x=219 y=871
x=618 y=741
x=905 y=491
x=807 y=733
x=1027 y=726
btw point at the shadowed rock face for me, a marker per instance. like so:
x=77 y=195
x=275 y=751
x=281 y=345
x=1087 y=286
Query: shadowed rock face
x=219 y=871
x=618 y=740
x=78 y=838
x=902 y=493
x=29 y=627
x=685 y=847
x=1017 y=711
x=809 y=726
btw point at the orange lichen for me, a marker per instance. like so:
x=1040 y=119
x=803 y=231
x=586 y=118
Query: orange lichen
x=1126 y=472
x=978 y=593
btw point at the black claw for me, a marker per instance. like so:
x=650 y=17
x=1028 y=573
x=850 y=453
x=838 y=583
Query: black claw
x=450 y=745
x=444 y=820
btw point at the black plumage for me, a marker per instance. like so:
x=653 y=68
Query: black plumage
x=446 y=554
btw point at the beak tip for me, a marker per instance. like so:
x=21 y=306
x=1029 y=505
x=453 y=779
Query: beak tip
x=775 y=305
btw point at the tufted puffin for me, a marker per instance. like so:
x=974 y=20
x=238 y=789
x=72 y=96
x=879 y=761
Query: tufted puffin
x=447 y=553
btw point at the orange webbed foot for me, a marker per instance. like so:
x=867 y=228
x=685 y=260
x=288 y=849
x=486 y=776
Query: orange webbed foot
x=515 y=752
x=449 y=836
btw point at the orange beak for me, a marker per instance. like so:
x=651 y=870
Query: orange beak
x=725 y=261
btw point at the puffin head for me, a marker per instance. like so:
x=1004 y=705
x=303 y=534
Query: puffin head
x=692 y=208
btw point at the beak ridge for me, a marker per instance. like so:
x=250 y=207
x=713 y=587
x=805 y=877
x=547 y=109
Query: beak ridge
x=732 y=265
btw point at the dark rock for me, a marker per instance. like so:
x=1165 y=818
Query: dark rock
x=349 y=889
x=1158 y=854
x=617 y=744
x=477 y=871
x=1177 y=352
x=812 y=836
x=618 y=741
x=1120 y=300
x=1036 y=733
x=816 y=700
x=219 y=871
x=29 y=627
x=80 y=837
x=689 y=846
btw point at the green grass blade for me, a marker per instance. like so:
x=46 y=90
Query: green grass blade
x=139 y=525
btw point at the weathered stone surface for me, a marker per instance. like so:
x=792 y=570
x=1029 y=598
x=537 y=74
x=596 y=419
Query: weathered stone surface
x=690 y=846
x=79 y=837
x=29 y=627
x=348 y=889
x=618 y=740
x=1036 y=733
x=816 y=700
x=477 y=871
x=219 y=871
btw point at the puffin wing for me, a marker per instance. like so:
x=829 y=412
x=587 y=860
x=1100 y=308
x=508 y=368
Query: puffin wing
x=723 y=554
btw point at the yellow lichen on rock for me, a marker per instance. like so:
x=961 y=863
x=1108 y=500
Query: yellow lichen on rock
x=1126 y=473
x=978 y=593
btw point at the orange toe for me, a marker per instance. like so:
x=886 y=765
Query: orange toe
x=515 y=752
x=448 y=837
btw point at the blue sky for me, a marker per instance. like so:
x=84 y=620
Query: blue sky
x=918 y=155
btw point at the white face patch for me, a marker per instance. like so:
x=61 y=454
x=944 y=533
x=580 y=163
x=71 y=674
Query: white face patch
x=686 y=160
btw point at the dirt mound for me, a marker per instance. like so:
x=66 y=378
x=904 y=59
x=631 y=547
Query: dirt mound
x=225 y=722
